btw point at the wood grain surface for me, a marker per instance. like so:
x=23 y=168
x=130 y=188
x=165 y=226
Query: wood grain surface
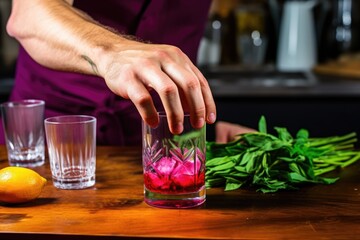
x=340 y=68
x=114 y=209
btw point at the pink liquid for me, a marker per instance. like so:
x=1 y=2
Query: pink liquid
x=170 y=175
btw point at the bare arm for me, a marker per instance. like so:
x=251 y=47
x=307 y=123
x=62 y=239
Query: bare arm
x=61 y=37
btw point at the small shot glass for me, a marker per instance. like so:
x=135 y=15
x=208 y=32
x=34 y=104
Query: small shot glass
x=71 y=142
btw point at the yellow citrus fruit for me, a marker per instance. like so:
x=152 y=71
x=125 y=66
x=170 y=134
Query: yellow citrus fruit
x=19 y=185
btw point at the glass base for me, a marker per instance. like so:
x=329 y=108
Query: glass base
x=26 y=159
x=185 y=200
x=74 y=183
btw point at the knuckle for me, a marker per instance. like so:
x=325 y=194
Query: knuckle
x=175 y=49
x=193 y=84
x=146 y=63
x=161 y=54
x=204 y=83
x=123 y=72
x=200 y=111
x=168 y=89
x=141 y=99
x=167 y=51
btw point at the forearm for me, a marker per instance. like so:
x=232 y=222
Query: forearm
x=59 y=36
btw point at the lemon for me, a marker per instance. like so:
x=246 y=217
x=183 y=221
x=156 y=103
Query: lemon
x=19 y=185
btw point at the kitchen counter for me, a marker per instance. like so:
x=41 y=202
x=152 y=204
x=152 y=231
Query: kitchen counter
x=234 y=81
x=114 y=209
x=325 y=104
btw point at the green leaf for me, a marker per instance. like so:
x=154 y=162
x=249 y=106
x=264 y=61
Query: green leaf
x=297 y=177
x=262 y=125
x=218 y=161
x=245 y=158
x=283 y=134
x=268 y=163
x=273 y=145
x=240 y=169
x=264 y=161
x=223 y=166
x=214 y=182
x=239 y=175
x=188 y=138
x=302 y=135
x=329 y=180
x=232 y=186
x=258 y=139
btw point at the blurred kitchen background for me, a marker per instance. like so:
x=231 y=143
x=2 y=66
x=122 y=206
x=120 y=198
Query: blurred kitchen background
x=8 y=52
x=290 y=35
x=295 y=62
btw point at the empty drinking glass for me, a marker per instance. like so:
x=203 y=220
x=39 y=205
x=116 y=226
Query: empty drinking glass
x=24 y=132
x=71 y=144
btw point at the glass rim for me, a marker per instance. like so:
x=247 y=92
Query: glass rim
x=23 y=103
x=70 y=119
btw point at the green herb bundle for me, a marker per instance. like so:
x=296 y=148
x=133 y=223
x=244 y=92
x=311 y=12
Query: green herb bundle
x=270 y=163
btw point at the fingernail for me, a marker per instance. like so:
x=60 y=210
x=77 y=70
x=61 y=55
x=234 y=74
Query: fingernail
x=178 y=128
x=200 y=122
x=212 y=117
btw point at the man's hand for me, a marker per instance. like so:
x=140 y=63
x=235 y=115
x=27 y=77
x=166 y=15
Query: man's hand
x=61 y=37
x=135 y=68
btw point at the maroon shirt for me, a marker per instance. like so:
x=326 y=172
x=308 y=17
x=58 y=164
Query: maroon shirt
x=176 y=22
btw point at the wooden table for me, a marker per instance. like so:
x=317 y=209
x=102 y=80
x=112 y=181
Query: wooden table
x=114 y=208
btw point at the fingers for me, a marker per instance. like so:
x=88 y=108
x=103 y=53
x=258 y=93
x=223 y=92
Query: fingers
x=207 y=96
x=169 y=94
x=143 y=102
x=168 y=71
x=170 y=98
x=195 y=89
x=189 y=86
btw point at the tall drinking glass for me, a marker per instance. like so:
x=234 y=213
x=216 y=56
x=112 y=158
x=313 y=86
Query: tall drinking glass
x=174 y=165
x=24 y=132
x=71 y=142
